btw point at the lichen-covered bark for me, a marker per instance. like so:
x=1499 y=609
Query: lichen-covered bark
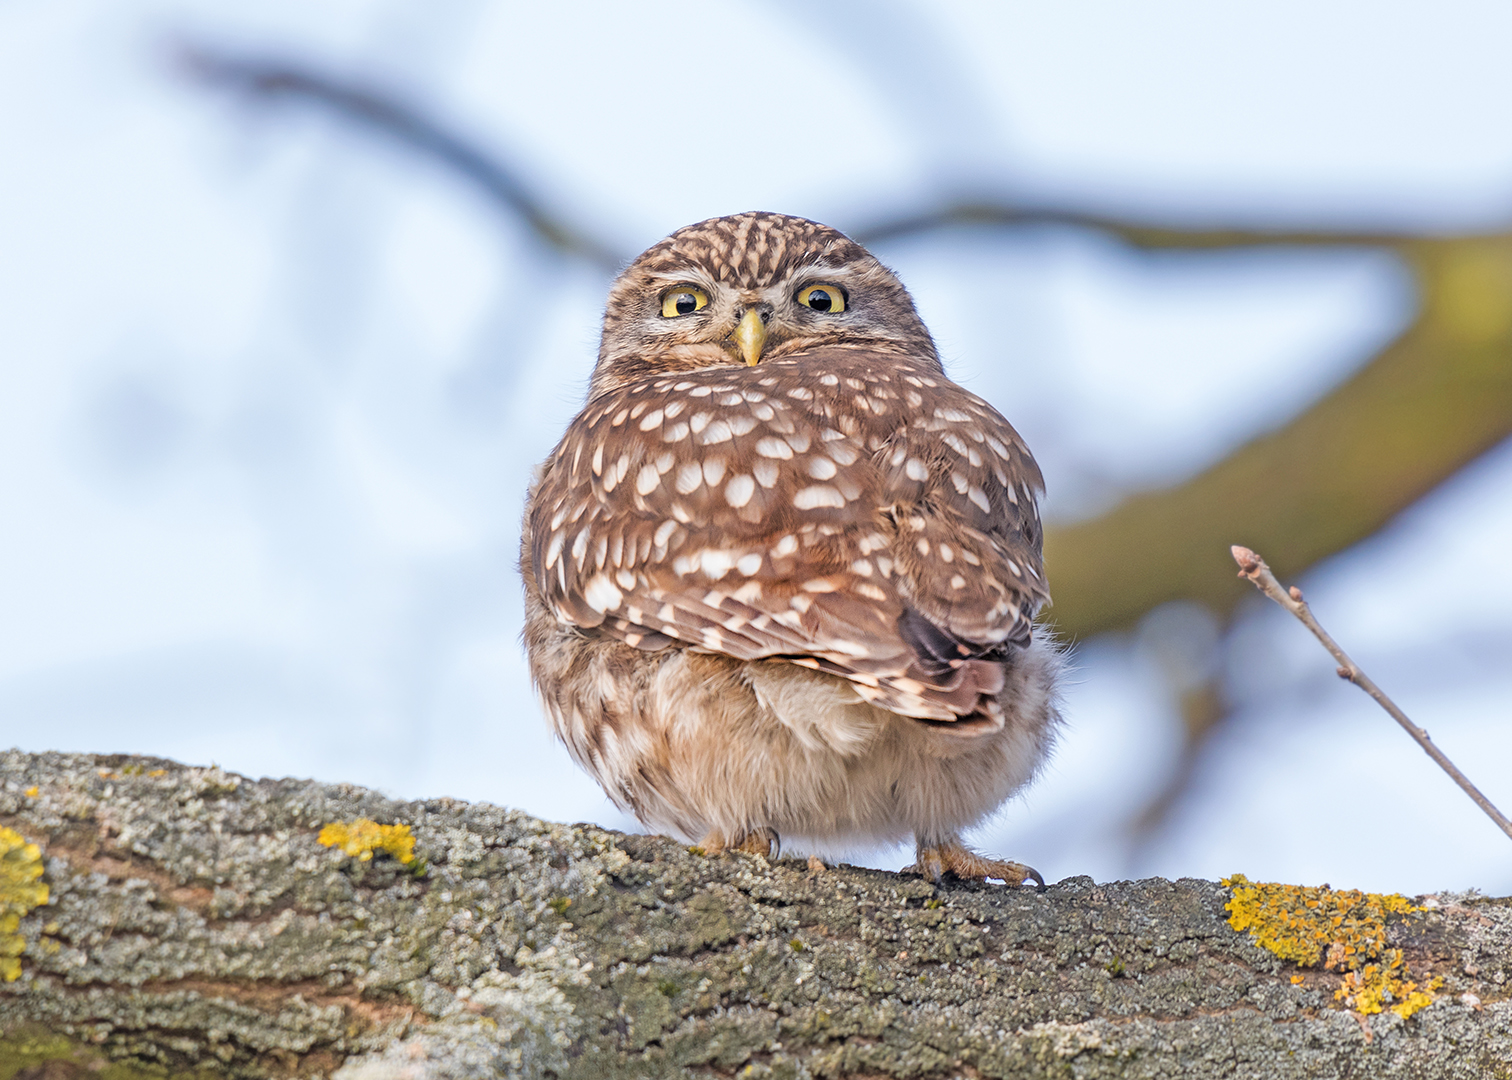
x=195 y=925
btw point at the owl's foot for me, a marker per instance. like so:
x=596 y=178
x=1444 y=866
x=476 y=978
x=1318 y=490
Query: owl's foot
x=763 y=842
x=954 y=857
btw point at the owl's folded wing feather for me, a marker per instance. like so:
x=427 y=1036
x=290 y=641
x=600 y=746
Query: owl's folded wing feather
x=865 y=518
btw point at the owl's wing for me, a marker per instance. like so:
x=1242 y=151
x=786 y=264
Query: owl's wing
x=858 y=515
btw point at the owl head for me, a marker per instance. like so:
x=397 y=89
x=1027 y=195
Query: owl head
x=749 y=289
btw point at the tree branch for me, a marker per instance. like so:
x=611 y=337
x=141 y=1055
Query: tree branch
x=195 y=922
x=271 y=80
x=1252 y=566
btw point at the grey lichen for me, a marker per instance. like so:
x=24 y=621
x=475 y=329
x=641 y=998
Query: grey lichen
x=195 y=926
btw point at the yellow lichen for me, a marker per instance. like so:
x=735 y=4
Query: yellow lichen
x=363 y=837
x=20 y=891
x=1342 y=929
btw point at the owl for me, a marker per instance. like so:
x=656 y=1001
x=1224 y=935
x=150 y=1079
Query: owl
x=781 y=573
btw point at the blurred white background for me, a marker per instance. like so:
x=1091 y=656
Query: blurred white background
x=270 y=387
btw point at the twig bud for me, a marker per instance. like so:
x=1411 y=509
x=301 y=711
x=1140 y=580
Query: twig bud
x=1296 y=593
x=1248 y=561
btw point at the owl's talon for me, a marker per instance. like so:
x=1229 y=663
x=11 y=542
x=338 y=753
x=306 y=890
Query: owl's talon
x=954 y=857
x=763 y=842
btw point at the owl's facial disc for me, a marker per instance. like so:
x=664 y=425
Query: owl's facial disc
x=752 y=289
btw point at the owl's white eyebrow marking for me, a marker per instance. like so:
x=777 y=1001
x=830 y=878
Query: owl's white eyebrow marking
x=739 y=490
x=713 y=470
x=817 y=495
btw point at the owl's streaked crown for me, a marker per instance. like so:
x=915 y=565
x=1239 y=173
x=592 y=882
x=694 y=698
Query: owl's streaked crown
x=753 y=261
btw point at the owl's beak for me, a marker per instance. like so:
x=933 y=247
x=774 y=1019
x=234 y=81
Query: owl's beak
x=750 y=336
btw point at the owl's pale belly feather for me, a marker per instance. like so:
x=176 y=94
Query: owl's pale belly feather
x=694 y=743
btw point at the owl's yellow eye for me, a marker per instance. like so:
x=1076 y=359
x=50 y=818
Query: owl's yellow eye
x=827 y=298
x=683 y=300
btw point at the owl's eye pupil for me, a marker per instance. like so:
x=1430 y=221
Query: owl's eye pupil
x=820 y=300
x=685 y=303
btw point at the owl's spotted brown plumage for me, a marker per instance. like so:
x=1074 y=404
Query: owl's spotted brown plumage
x=780 y=572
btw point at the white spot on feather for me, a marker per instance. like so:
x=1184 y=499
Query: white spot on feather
x=601 y=594
x=817 y=495
x=689 y=477
x=739 y=490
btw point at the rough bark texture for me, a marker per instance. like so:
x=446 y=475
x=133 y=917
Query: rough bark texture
x=195 y=925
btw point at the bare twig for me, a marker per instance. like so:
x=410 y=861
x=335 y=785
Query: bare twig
x=269 y=79
x=1252 y=566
